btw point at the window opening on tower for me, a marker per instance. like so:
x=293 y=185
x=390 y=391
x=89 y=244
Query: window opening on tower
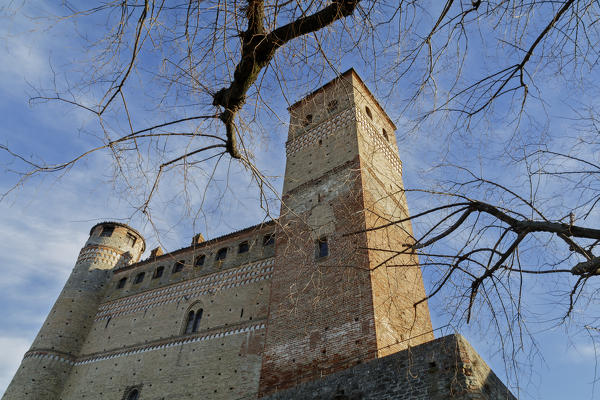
x=131 y=239
x=221 y=254
x=269 y=239
x=322 y=249
x=178 y=266
x=139 y=278
x=243 y=247
x=121 y=283
x=133 y=395
x=307 y=119
x=200 y=260
x=158 y=272
x=193 y=321
x=107 y=231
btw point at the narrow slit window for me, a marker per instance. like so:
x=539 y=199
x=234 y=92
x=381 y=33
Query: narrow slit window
x=158 y=272
x=178 y=266
x=189 y=325
x=107 y=231
x=243 y=247
x=197 y=319
x=200 y=260
x=121 y=283
x=269 y=239
x=368 y=111
x=385 y=135
x=221 y=254
x=139 y=278
x=322 y=247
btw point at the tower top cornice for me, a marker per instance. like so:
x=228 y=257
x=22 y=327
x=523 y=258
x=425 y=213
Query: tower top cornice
x=349 y=73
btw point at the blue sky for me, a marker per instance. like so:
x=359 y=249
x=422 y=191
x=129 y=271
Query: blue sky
x=45 y=222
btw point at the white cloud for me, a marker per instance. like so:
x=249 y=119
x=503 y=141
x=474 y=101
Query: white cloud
x=13 y=349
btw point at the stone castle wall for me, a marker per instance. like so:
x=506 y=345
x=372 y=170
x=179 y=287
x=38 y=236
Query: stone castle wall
x=446 y=368
x=274 y=312
x=138 y=337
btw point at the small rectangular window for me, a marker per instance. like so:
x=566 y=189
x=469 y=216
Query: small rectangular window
x=178 y=266
x=158 y=272
x=130 y=240
x=139 y=277
x=243 y=247
x=322 y=248
x=121 y=283
x=107 y=231
x=269 y=239
x=221 y=254
x=200 y=260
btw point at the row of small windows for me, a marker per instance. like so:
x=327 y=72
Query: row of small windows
x=243 y=247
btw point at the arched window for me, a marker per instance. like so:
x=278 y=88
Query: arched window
x=192 y=323
x=158 y=272
x=178 y=266
x=133 y=395
x=200 y=260
x=197 y=320
x=189 y=325
x=121 y=283
x=139 y=278
x=368 y=111
x=221 y=254
x=385 y=135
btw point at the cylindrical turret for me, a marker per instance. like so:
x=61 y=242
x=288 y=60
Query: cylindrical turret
x=49 y=360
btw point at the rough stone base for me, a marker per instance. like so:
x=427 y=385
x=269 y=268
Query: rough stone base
x=446 y=368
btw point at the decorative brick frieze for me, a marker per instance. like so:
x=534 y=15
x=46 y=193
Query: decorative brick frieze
x=192 y=288
x=99 y=254
x=172 y=342
x=50 y=355
x=378 y=142
x=331 y=126
x=157 y=345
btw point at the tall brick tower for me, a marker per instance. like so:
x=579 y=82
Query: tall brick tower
x=344 y=286
x=49 y=361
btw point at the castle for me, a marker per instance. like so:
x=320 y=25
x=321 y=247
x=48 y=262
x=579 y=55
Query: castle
x=316 y=304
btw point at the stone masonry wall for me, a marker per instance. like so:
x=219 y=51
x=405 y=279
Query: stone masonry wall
x=446 y=368
x=48 y=362
x=138 y=337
